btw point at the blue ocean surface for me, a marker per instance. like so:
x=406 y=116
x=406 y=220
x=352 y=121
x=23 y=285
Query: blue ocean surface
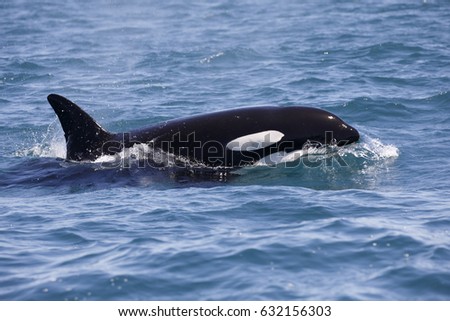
x=373 y=227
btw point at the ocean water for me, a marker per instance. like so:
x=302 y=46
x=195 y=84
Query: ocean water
x=376 y=227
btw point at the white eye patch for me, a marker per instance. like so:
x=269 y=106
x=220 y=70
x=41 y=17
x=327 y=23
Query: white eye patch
x=255 y=141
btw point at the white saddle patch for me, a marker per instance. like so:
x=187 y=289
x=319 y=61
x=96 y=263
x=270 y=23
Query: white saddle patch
x=255 y=141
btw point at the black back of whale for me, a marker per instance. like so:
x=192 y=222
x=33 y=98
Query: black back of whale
x=205 y=138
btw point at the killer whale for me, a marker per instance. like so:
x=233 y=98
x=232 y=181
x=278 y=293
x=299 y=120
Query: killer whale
x=230 y=138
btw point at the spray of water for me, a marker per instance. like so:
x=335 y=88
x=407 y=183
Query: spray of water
x=51 y=144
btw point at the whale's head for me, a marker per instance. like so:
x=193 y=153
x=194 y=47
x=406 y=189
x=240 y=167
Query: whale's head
x=313 y=125
x=343 y=133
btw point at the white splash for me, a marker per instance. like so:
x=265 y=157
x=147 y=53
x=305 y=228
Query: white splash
x=372 y=149
x=141 y=155
x=207 y=60
x=52 y=144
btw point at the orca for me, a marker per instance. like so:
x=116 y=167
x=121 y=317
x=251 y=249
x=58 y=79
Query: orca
x=230 y=138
